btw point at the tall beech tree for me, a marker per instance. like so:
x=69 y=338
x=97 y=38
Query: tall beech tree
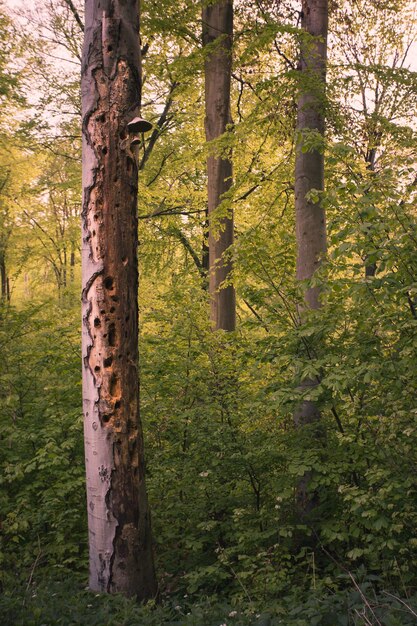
x=217 y=21
x=120 y=542
x=309 y=176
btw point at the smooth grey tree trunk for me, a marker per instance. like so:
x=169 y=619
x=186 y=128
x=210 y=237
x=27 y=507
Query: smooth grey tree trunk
x=121 y=558
x=309 y=174
x=217 y=38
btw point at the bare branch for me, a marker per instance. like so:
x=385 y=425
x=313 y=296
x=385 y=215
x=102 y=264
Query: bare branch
x=176 y=232
x=159 y=126
x=75 y=13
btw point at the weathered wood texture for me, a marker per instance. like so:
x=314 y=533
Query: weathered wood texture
x=121 y=557
x=218 y=35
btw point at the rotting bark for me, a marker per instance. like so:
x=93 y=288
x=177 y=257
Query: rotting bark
x=121 y=558
x=309 y=174
x=217 y=21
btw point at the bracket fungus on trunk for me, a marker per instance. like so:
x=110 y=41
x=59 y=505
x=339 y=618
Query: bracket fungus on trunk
x=136 y=128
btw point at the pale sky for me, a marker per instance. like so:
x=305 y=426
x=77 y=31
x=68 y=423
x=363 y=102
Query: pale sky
x=411 y=62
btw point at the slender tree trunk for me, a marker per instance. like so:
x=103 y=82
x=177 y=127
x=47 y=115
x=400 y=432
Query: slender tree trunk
x=370 y=268
x=72 y=263
x=205 y=258
x=309 y=174
x=121 y=558
x=64 y=268
x=5 y=294
x=217 y=34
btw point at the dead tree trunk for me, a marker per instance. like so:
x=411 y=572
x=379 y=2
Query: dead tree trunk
x=121 y=558
x=309 y=174
x=217 y=38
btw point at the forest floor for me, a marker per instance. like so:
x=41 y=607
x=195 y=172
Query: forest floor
x=65 y=600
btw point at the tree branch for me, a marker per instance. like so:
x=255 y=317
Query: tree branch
x=157 y=131
x=75 y=13
x=183 y=239
x=171 y=211
x=256 y=314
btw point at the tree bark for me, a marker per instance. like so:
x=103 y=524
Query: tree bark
x=121 y=558
x=370 y=268
x=309 y=174
x=5 y=294
x=217 y=34
x=205 y=256
x=72 y=262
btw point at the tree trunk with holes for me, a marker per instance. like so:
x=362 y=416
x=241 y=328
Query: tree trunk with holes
x=309 y=175
x=217 y=38
x=121 y=558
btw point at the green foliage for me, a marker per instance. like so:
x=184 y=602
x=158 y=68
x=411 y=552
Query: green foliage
x=65 y=603
x=10 y=88
x=42 y=474
x=223 y=458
